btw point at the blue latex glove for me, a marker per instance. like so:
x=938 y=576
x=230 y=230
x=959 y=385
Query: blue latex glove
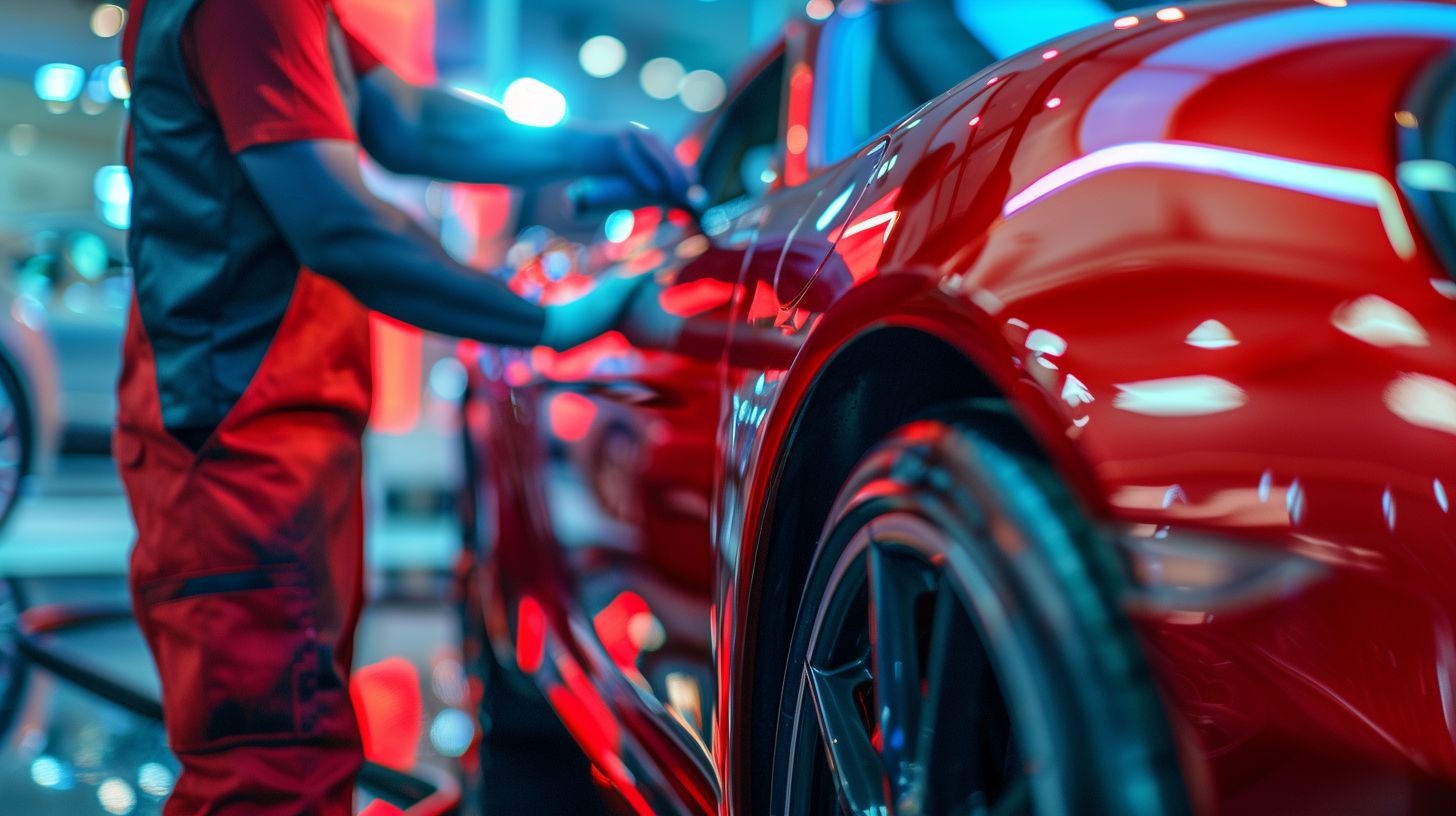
x=631 y=305
x=639 y=161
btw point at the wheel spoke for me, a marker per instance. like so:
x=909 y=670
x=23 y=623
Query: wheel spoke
x=896 y=583
x=963 y=735
x=852 y=757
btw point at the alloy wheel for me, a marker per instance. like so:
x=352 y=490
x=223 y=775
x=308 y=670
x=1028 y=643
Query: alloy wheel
x=910 y=716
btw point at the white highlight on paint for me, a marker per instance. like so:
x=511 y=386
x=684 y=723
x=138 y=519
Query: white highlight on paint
x=1431 y=175
x=1266 y=482
x=1211 y=334
x=1199 y=395
x=1042 y=341
x=1075 y=393
x=888 y=219
x=1142 y=102
x=1440 y=491
x=1174 y=495
x=1294 y=502
x=1326 y=181
x=832 y=211
x=1423 y=401
x=1379 y=322
x=1387 y=505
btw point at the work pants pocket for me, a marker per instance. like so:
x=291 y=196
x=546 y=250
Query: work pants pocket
x=238 y=655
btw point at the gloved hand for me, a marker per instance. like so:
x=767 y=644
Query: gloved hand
x=637 y=157
x=628 y=304
x=647 y=324
x=651 y=166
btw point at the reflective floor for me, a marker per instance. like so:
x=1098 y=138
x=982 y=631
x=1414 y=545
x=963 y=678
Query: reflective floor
x=68 y=751
x=64 y=750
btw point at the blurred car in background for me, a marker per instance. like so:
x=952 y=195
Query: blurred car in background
x=31 y=401
x=1110 y=471
x=72 y=269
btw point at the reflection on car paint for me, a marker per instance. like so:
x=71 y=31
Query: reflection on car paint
x=1217 y=320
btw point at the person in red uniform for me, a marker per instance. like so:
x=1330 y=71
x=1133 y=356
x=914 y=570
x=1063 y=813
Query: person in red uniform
x=257 y=251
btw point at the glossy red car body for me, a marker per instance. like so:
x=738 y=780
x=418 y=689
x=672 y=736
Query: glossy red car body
x=1175 y=247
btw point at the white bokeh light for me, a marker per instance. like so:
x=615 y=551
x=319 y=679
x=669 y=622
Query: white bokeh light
x=107 y=20
x=117 y=83
x=116 y=796
x=602 y=56
x=155 y=779
x=534 y=103
x=661 y=77
x=702 y=91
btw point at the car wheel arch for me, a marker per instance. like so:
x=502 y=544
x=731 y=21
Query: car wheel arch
x=862 y=392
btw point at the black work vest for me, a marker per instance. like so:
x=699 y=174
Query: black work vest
x=213 y=273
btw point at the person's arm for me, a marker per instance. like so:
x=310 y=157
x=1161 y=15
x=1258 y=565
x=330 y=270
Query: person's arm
x=270 y=81
x=315 y=193
x=452 y=135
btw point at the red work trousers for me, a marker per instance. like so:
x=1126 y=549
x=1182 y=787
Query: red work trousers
x=247 y=573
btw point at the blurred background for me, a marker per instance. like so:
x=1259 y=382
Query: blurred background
x=64 y=198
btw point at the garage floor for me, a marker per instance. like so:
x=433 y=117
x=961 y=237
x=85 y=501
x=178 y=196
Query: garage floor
x=69 y=752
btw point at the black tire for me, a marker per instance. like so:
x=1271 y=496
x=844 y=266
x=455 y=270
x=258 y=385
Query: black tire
x=1014 y=686
x=13 y=665
x=17 y=440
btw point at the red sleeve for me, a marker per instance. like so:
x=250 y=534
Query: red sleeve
x=265 y=69
x=361 y=55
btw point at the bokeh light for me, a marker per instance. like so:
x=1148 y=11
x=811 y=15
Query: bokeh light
x=87 y=252
x=702 y=91
x=532 y=102
x=451 y=732
x=116 y=796
x=155 y=779
x=448 y=379
x=798 y=139
x=116 y=81
x=661 y=77
x=59 y=82
x=619 y=226
x=23 y=138
x=819 y=9
x=47 y=772
x=107 y=20
x=112 y=186
x=602 y=56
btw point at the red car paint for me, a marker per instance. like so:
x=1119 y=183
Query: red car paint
x=1192 y=279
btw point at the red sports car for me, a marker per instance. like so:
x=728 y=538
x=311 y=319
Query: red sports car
x=1103 y=462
